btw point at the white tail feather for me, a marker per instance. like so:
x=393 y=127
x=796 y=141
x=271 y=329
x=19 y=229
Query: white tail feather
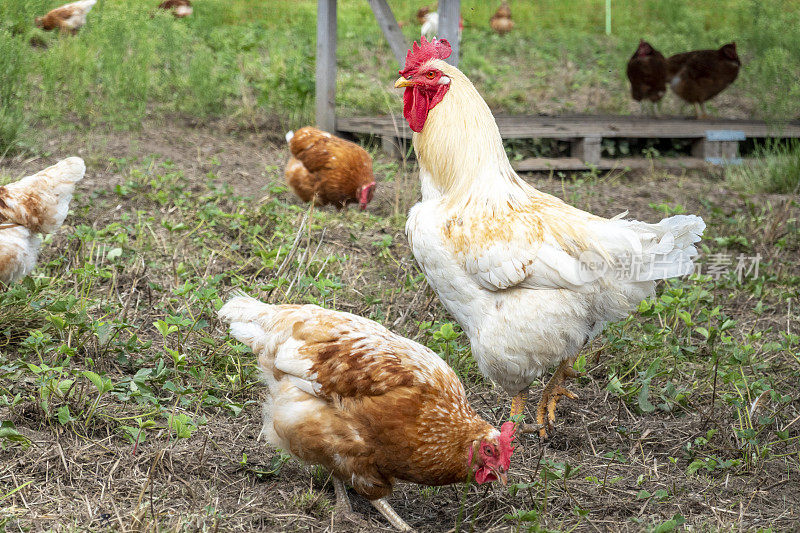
x=672 y=253
x=248 y=318
x=289 y=135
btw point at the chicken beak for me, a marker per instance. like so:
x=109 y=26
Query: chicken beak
x=402 y=82
x=500 y=475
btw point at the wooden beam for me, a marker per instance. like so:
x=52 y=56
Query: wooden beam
x=567 y=127
x=449 y=15
x=326 y=65
x=543 y=164
x=390 y=30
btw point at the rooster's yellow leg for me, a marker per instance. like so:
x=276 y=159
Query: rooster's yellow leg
x=552 y=393
x=518 y=403
x=517 y=407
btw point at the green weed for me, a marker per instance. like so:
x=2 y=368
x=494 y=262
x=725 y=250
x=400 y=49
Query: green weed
x=775 y=169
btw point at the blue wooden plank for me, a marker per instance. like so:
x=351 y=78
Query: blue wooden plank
x=724 y=161
x=725 y=135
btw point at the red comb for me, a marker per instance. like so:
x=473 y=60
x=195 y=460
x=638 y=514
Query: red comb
x=425 y=51
x=506 y=437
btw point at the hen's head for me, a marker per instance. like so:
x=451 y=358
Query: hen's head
x=39 y=22
x=645 y=49
x=365 y=194
x=729 y=52
x=424 y=80
x=490 y=458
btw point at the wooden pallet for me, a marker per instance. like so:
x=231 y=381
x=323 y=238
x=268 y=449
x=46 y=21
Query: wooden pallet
x=716 y=141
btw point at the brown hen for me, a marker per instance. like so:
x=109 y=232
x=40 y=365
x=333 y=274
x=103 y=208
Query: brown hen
x=501 y=21
x=700 y=75
x=328 y=170
x=647 y=72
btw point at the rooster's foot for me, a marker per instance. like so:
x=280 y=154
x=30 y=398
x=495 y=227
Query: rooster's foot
x=525 y=429
x=553 y=392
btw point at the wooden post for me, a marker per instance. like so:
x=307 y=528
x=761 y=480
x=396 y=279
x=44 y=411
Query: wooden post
x=449 y=15
x=326 y=65
x=392 y=146
x=390 y=29
x=587 y=149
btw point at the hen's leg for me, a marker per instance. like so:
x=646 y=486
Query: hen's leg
x=342 y=500
x=552 y=393
x=386 y=510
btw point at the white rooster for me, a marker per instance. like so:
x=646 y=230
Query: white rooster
x=35 y=204
x=529 y=278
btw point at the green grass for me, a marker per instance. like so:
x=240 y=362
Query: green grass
x=774 y=169
x=245 y=59
x=13 y=91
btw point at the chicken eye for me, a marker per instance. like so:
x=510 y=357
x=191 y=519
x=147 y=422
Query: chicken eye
x=487 y=450
x=430 y=74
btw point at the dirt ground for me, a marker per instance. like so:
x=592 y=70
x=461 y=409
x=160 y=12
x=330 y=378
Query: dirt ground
x=98 y=482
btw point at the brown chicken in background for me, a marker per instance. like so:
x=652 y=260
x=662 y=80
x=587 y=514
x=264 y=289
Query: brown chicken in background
x=370 y=406
x=647 y=72
x=501 y=20
x=422 y=13
x=68 y=18
x=700 y=75
x=35 y=204
x=328 y=170
x=179 y=8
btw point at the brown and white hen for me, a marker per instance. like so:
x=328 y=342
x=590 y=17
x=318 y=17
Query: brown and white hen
x=68 y=18
x=370 y=406
x=179 y=8
x=35 y=204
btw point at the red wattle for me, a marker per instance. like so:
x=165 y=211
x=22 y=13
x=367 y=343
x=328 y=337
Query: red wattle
x=483 y=475
x=415 y=107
